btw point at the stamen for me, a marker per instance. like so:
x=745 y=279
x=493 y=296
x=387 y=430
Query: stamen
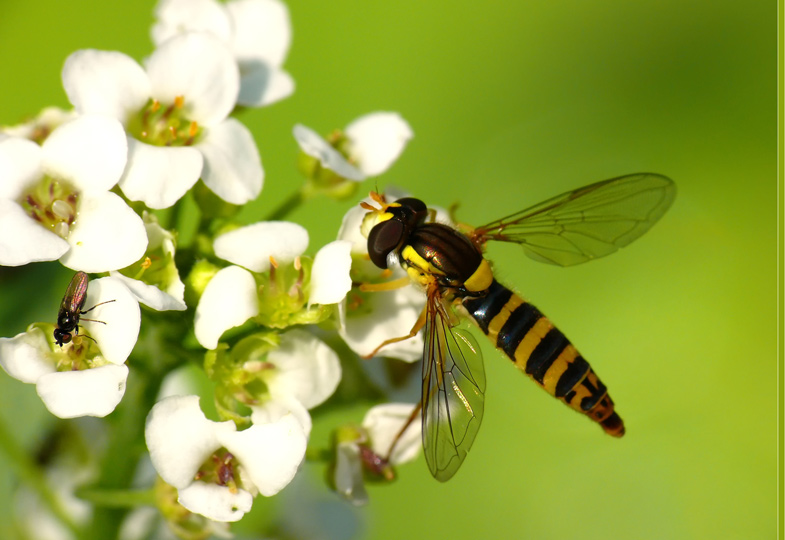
x=155 y=106
x=273 y=262
x=179 y=101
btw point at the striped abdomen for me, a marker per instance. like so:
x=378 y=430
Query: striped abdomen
x=531 y=341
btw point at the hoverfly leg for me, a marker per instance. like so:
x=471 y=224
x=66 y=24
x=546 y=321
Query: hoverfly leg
x=408 y=423
x=386 y=286
x=86 y=336
x=93 y=320
x=95 y=306
x=418 y=325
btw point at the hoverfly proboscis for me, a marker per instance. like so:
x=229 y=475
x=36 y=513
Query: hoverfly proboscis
x=572 y=228
x=71 y=310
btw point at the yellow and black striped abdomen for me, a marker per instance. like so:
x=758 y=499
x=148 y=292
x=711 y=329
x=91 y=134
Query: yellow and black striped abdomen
x=531 y=341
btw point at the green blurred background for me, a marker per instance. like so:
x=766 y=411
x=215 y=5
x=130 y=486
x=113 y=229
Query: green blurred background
x=513 y=102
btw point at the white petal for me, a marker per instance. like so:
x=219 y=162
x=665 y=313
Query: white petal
x=350 y=229
x=25 y=240
x=179 y=16
x=232 y=166
x=200 y=68
x=312 y=144
x=215 y=502
x=106 y=235
x=387 y=314
x=349 y=480
x=180 y=438
x=47 y=120
x=90 y=151
x=23 y=356
x=269 y=453
x=150 y=295
x=377 y=139
x=117 y=337
x=330 y=279
x=105 y=82
x=384 y=422
x=262 y=84
x=281 y=240
x=276 y=408
x=159 y=175
x=229 y=300
x=306 y=368
x=90 y=392
x=20 y=166
x=262 y=30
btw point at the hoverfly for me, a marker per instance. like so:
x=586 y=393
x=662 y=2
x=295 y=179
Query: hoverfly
x=571 y=228
x=71 y=309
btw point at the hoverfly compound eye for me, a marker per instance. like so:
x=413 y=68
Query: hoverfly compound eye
x=383 y=239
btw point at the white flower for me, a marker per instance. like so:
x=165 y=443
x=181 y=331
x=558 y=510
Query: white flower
x=282 y=240
x=87 y=383
x=159 y=285
x=258 y=32
x=216 y=469
x=330 y=280
x=229 y=300
x=55 y=203
x=367 y=319
x=232 y=296
x=38 y=129
x=384 y=423
x=175 y=112
x=302 y=367
x=372 y=144
x=371 y=445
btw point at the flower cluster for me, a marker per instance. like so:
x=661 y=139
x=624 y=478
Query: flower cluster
x=262 y=318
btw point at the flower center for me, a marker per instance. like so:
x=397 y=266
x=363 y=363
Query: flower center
x=161 y=125
x=78 y=355
x=219 y=469
x=53 y=204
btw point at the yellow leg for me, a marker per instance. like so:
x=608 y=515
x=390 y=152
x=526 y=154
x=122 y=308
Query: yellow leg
x=413 y=332
x=386 y=286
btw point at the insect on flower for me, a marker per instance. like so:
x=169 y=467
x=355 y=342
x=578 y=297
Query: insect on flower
x=71 y=309
x=574 y=227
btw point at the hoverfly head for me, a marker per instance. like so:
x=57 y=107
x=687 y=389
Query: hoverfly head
x=388 y=227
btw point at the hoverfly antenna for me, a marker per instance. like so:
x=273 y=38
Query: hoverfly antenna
x=379 y=199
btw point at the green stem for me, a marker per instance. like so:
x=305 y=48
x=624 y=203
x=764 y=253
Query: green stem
x=32 y=475
x=283 y=210
x=118 y=498
x=125 y=448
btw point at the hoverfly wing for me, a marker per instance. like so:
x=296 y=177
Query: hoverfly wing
x=75 y=294
x=452 y=392
x=587 y=223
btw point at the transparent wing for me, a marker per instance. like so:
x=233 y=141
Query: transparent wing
x=452 y=392
x=587 y=223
